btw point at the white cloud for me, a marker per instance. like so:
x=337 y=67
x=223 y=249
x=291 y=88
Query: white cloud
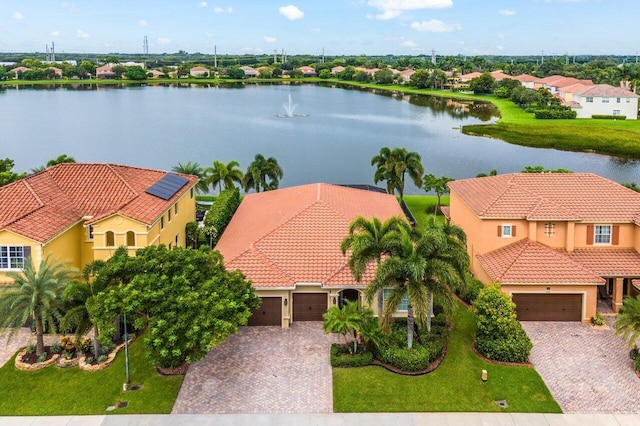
x=499 y=47
x=143 y=23
x=269 y=39
x=391 y=8
x=229 y=9
x=202 y=4
x=252 y=49
x=18 y=15
x=164 y=40
x=435 y=26
x=54 y=33
x=291 y=12
x=408 y=43
x=507 y=12
x=218 y=10
x=82 y=34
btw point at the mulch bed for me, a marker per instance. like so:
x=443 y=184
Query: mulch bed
x=180 y=370
x=28 y=358
x=493 y=361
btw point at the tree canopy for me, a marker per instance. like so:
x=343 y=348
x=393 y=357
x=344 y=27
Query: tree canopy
x=262 y=173
x=7 y=175
x=392 y=165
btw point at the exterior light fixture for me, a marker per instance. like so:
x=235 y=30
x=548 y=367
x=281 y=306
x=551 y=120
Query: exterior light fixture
x=548 y=290
x=335 y=300
x=285 y=301
x=484 y=375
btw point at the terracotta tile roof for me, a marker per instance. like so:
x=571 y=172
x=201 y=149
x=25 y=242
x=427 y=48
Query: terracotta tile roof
x=526 y=78
x=549 y=196
x=605 y=90
x=561 y=81
x=609 y=262
x=526 y=262
x=44 y=204
x=292 y=235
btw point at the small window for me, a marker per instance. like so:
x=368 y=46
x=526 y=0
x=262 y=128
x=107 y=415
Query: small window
x=169 y=246
x=628 y=100
x=602 y=234
x=191 y=193
x=176 y=241
x=506 y=231
x=617 y=100
x=13 y=257
x=162 y=222
x=589 y=99
x=175 y=208
x=549 y=229
x=90 y=230
x=616 y=112
x=605 y=100
x=404 y=304
x=111 y=239
x=169 y=213
x=131 y=239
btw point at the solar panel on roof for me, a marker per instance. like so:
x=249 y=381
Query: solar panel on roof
x=168 y=186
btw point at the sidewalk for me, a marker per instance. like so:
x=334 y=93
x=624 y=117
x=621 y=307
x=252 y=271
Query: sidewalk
x=356 y=419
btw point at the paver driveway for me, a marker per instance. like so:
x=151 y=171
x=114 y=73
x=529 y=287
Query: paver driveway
x=262 y=370
x=586 y=370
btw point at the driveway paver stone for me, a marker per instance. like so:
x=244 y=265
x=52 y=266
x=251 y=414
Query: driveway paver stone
x=587 y=370
x=262 y=370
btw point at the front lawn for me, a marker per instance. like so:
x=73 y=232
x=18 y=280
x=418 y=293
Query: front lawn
x=423 y=206
x=455 y=386
x=71 y=391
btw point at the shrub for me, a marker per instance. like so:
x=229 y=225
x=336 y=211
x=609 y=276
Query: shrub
x=67 y=355
x=598 y=319
x=472 y=289
x=608 y=117
x=85 y=345
x=499 y=335
x=43 y=357
x=221 y=212
x=67 y=343
x=555 y=114
x=89 y=360
x=415 y=359
x=637 y=363
x=340 y=357
x=56 y=348
x=31 y=349
x=101 y=359
x=105 y=349
x=633 y=353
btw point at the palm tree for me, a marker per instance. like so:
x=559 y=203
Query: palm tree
x=628 y=322
x=345 y=321
x=193 y=169
x=368 y=240
x=422 y=267
x=36 y=294
x=259 y=171
x=79 y=294
x=221 y=173
x=394 y=165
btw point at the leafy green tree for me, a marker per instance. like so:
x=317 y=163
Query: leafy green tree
x=420 y=78
x=631 y=185
x=35 y=294
x=483 y=84
x=383 y=76
x=347 y=73
x=541 y=169
x=324 y=74
x=499 y=335
x=3 y=73
x=119 y=70
x=265 y=73
x=361 y=76
x=110 y=59
x=220 y=173
x=136 y=72
x=492 y=172
x=193 y=169
x=627 y=325
x=437 y=185
x=262 y=173
x=345 y=321
x=368 y=241
x=185 y=299
x=392 y=165
x=7 y=175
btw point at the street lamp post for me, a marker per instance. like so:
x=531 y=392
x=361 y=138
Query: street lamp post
x=126 y=353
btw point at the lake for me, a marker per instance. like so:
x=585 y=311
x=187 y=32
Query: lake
x=333 y=139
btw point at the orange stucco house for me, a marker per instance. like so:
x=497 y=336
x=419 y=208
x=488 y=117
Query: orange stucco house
x=557 y=242
x=287 y=242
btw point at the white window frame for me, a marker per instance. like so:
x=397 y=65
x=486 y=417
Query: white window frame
x=404 y=303
x=504 y=227
x=589 y=99
x=7 y=256
x=598 y=235
x=605 y=100
x=616 y=112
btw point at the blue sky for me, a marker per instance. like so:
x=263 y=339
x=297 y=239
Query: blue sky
x=349 y=27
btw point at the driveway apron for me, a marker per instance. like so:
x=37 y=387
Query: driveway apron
x=587 y=370
x=262 y=370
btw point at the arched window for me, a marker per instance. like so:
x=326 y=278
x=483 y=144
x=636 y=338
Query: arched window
x=131 y=239
x=111 y=239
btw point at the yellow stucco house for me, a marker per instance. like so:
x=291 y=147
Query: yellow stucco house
x=557 y=242
x=77 y=213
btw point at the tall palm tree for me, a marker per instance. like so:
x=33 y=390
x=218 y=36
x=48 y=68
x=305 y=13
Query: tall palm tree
x=368 y=241
x=628 y=323
x=79 y=294
x=223 y=174
x=262 y=173
x=423 y=267
x=393 y=165
x=36 y=294
x=193 y=169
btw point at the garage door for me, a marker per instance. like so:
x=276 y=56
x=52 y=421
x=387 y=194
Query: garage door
x=548 y=307
x=268 y=313
x=309 y=306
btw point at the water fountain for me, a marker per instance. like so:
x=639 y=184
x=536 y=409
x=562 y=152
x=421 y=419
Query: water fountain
x=289 y=108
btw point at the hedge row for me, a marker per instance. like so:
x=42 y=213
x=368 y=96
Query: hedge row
x=415 y=359
x=555 y=114
x=221 y=212
x=609 y=117
x=340 y=357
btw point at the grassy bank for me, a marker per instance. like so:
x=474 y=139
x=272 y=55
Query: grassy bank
x=454 y=386
x=71 y=391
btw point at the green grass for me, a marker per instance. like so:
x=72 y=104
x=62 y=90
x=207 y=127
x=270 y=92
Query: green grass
x=71 y=391
x=423 y=206
x=455 y=386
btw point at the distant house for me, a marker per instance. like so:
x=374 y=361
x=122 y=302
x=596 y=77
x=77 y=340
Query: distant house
x=18 y=71
x=156 y=74
x=557 y=242
x=527 y=80
x=370 y=71
x=105 y=71
x=57 y=71
x=199 y=72
x=603 y=99
x=554 y=82
x=406 y=74
x=308 y=71
x=336 y=70
x=249 y=72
